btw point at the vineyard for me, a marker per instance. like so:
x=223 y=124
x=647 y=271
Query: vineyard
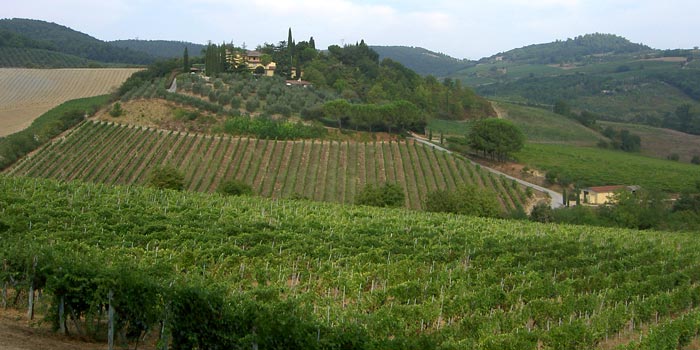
x=25 y=94
x=206 y=271
x=319 y=170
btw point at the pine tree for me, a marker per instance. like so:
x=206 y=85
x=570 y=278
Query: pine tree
x=185 y=61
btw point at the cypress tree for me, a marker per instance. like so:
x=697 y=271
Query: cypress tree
x=312 y=43
x=185 y=61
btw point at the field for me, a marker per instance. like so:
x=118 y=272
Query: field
x=319 y=170
x=660 y=143
x=328 y=276
x=598 y=167
x=544 y=126
x=25 y=94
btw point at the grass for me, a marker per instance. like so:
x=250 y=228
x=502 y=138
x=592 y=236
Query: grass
x=660 y=142
x=596 y=167
x=543 y=126
x=448 y=127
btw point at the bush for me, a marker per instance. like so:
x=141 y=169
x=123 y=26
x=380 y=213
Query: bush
x=167 y=177
x=466 y=200
x=235 y=187
x=542 y=213
x=116 y=110
x=387 y=195
x=252 y=105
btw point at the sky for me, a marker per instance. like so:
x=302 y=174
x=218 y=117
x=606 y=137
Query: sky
x=469 y=29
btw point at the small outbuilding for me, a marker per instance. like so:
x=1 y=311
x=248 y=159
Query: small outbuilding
x=600 y=195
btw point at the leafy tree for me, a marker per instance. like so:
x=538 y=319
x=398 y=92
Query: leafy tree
x=466 y=200
x=386 y=195
x=542 y=213
x=167 y=177
x=235 y=187
x=496 y=138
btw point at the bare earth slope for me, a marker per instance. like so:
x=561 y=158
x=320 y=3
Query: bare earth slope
x=25 y=94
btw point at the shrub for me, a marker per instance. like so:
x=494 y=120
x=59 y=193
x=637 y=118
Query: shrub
x=252 y=105
x=116 y=110
x=386 y=195
x=235 y=187
x=542 y=213
x=167 y=177
x=466 y=200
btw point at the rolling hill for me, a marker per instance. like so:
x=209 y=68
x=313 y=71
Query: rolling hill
x=160 y=48
x=27 y=34
x=422 y=61
x=604 y=74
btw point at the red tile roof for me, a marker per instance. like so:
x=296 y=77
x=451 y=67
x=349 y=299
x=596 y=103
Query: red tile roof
x=601 y=189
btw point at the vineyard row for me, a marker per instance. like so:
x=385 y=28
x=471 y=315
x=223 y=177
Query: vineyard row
x=319 y=170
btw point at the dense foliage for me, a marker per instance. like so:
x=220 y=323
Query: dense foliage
x=54 y=37
x=642 y=210
x=574 y=50
x=166 y=177
x=161 y=48
x=39 y=58
x=385 y=195
x=246 y=272
x=465 y=200
x=271 y=129
x=46 y=127
x=422 y=61
x=495 y=138
x=355 y=73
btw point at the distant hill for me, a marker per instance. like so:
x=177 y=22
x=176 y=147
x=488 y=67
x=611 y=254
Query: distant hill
x=29 y=33
x=601 y=73
x=572 y=50
x=422 y=61
x=161 y=48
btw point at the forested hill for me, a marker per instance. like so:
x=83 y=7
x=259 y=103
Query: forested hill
x=161 y=48
x=35 y=34
x=422 y=61
x=572 y=50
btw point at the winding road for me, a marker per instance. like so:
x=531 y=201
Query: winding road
x=557 y=198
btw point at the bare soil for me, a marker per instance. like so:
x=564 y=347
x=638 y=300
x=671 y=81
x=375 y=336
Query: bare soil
x=18 y=333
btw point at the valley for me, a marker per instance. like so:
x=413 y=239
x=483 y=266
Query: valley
x=286 y=197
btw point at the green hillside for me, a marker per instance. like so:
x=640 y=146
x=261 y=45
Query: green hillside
x=604 y=74
x=543 y=126
x=422 y=61
x=19 y=57
x=62 y=39
x=593 y=47
x=330 y=276
x=161 y=48
x=598 y=167
x=318 y=170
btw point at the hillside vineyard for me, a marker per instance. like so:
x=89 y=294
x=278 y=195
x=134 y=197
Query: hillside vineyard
x=319 y=170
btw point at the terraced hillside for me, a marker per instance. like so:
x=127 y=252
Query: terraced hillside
x=319 y=170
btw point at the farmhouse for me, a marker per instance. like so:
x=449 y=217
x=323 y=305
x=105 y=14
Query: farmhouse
x=603 y=194
x=254 y=61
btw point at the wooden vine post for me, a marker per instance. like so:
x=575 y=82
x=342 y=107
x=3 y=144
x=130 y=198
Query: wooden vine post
x=30 y=308
x=4 y=285
x=110 y=324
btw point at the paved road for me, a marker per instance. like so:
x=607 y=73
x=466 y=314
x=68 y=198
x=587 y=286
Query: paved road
x=557 y=198
x=173 y=87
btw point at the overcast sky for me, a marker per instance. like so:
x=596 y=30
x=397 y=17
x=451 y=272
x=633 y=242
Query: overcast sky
x=463 y=29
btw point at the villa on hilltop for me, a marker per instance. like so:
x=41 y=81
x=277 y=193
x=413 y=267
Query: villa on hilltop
x=254 y=61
